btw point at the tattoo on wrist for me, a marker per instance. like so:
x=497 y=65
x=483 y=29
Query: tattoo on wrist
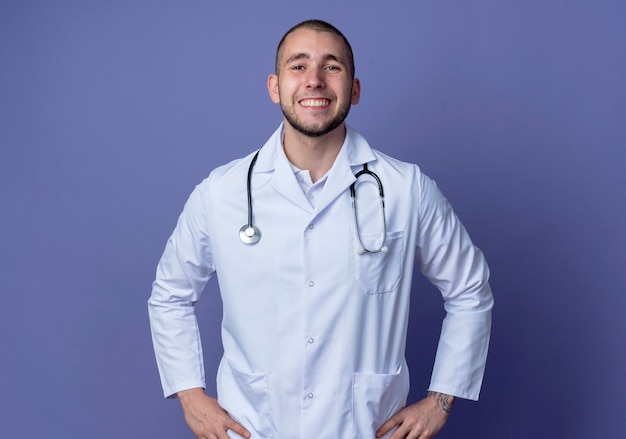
x=444 y=401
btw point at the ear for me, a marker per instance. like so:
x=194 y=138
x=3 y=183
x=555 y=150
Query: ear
x=272 y=88
x=356 y=91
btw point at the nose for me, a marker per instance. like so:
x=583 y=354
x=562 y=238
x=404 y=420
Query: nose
x=315 y=79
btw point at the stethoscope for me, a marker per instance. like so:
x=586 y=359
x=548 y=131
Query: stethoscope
x=251 y=234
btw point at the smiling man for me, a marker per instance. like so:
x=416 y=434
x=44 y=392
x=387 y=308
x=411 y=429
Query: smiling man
x=314 y=330
x=315 y=87
x=309 y=78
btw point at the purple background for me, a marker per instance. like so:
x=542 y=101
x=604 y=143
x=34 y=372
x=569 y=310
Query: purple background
x=111 y=112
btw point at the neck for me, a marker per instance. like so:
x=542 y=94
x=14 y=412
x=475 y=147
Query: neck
x=315 y=154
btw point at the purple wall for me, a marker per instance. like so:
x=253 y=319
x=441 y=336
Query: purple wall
x=110 y=113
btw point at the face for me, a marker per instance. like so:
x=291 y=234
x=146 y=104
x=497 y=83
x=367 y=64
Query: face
x=314 y=85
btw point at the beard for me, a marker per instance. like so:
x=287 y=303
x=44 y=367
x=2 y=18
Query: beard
x=315 y=129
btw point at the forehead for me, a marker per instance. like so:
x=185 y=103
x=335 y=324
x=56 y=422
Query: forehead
x=314 y=43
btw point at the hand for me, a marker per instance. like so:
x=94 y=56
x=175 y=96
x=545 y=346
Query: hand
x=421 y=420
x=205 y=417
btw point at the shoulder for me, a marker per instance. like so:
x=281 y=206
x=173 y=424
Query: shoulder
x=398 y=171
x=405 y=176
x=399 y=178
x=227 y=175
x=361 y=151
x=235 y=173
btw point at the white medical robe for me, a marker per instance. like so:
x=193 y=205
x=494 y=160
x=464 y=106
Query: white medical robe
x=313 y=330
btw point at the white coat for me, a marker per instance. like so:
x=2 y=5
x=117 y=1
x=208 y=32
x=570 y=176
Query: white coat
x=313 y=331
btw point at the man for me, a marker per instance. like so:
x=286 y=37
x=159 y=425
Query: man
x=316 y=306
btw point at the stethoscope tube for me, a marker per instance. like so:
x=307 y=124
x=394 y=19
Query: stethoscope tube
x=381 y=195
x=250 y=234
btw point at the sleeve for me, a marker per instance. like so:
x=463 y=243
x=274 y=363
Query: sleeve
x=182 y=273
x=458 y=269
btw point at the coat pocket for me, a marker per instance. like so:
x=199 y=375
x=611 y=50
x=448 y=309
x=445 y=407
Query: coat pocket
x=375 y=399
x=245 y=396
x=379 y=273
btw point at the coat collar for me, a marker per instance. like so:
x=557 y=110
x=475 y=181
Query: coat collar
x=354 y=152
x=355 y=148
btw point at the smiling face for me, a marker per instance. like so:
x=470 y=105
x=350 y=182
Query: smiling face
x=314 y=84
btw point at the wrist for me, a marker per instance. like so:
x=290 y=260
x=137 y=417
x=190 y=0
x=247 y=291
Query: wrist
x=187 y=394
x=444 y=402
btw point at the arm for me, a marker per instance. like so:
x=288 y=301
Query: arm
x=182 y=273
x=458 y=269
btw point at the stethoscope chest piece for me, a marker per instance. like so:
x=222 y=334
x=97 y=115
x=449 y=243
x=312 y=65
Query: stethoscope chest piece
x=249 y=234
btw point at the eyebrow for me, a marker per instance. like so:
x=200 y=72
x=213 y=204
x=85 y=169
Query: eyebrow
x=299 y=56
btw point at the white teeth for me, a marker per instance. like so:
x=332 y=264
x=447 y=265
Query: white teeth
x=314 y=102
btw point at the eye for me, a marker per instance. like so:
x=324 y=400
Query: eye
x=333 y=68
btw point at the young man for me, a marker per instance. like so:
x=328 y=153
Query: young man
x=314 y=326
